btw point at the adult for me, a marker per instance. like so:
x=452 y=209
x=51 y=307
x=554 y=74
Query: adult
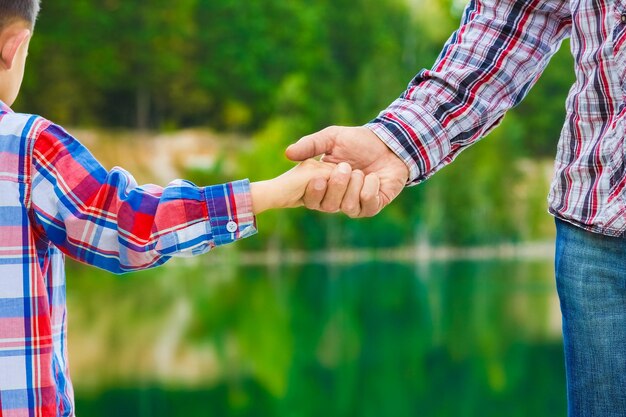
x=486 y=67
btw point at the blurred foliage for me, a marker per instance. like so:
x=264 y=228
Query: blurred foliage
x=237 y=65
x=229 y=64
x=275 y=71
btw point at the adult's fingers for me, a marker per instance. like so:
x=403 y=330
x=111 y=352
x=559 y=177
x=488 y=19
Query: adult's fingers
x=337 y=187
x=312 y=145
x=351 y=204
x=314 y=193
x=370 y=196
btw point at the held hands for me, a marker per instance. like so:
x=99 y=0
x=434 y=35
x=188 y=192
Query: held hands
x=288 y=189
x=379 y=176
x=331 y=186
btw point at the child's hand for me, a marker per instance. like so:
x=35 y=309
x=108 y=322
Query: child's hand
x=287 y=190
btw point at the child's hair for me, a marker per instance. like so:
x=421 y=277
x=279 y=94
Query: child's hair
x=12 y=10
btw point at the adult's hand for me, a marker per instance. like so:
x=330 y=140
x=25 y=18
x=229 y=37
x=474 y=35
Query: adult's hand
x=379 y=174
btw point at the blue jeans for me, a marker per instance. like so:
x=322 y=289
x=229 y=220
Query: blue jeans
x=591 y=281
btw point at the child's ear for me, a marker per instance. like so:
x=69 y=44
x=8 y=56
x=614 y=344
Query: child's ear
x=11 y=43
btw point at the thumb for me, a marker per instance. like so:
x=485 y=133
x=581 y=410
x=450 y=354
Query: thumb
x=312 y=145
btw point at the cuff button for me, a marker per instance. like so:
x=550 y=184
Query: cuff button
x=231 y=227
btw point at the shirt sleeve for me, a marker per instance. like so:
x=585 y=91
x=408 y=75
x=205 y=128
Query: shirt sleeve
x=104 y=218
x=487 y=66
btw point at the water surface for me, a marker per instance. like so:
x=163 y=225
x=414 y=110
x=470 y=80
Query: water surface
x=450 y=338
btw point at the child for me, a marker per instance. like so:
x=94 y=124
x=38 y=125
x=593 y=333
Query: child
x=56 y=199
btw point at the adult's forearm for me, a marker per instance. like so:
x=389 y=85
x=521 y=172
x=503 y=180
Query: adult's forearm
x=487 y=66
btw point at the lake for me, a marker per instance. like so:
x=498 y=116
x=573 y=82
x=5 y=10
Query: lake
x=458 y=338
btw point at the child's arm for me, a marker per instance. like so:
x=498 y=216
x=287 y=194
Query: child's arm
x=105 y=219
x=287 y=190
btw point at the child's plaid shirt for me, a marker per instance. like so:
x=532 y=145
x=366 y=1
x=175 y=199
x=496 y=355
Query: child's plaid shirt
x=56 y=199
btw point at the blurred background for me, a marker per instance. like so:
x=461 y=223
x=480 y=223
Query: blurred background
x=443 y=305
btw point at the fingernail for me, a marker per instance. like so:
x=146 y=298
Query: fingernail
x=344 y=168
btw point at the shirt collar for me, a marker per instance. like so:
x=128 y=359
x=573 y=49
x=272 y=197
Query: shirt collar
x=4 y=108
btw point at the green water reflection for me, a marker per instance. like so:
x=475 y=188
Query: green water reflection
x=377 y=339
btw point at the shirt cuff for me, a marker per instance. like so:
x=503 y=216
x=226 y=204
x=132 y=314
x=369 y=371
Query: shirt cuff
x=415 y=135
x=230 y=211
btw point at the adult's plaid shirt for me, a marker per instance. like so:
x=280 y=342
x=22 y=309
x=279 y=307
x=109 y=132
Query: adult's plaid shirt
x=56 y=199
x=488 y=66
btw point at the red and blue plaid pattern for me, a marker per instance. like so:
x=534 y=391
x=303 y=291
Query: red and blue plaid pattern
x=56 y=200
x=488 y=66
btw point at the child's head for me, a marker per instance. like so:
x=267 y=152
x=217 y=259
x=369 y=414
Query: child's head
x=24 y=10
x=17 y=20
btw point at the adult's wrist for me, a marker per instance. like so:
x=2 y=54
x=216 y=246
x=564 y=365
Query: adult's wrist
x=396 y=148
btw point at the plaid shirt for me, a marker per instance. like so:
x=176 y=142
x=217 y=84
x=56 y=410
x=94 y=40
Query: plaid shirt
x=488 y=66
x=56 y=199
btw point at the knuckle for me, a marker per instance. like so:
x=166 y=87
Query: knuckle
x=369 y=213
x=312 y=201
x=338 y=180
x=315 y=189
x=367 y=196
x=348 y=208
x=311 y=205
x=329 y=207
x=333 y=131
